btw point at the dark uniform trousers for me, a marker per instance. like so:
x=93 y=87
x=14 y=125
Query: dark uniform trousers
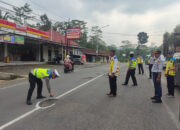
x=113 y=85
x=157 y=86
x=131 y=73
x=33 y=80
x=150 y=70
x=170 y=84
x=140 y=67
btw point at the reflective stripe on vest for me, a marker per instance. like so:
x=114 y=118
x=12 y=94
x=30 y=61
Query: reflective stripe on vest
x=170 y=65
x=139 y=60
x=42 y=73
x=111 y=67
x=133 y=65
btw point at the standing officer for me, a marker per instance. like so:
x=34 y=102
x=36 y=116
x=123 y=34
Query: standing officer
x=131 y=70
x=140 y=64
x=35 y=76
x=151 y=62
x=170 y=73
x=156 y=70
x=113 y=73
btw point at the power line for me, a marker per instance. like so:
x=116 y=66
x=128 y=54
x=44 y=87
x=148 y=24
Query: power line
x=42 y=7
x=19 y=8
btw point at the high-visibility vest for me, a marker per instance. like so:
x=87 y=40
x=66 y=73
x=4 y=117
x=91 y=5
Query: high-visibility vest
x=170 y=65
x=111 y=64
x=133 y=65
x=42 y=73
x=139 y=60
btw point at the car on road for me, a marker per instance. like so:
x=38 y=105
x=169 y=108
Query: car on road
x=77 y=60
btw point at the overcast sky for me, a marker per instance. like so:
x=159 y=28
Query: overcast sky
x=124 y=16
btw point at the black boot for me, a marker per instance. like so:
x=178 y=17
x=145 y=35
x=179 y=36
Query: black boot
x=28 y=102
x=40 y=97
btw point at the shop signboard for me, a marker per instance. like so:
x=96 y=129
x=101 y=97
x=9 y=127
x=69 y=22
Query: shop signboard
x=1 y=38
x=19 y=40
x=73 y=33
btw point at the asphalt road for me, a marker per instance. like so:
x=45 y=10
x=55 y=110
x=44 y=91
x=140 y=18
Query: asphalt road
x=82 y=104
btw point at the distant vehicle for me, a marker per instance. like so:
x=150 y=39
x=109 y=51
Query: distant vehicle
x=77 y=60
x=177 y=56
x=177 y=64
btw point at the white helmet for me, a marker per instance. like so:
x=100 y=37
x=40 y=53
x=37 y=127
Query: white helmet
x=56 y=73
x=131 y=52
x=68 y=56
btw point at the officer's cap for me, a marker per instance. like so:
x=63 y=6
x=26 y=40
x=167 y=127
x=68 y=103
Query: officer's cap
x=56 y=73
x=131 y=52
x=171 y=52
x=157 y=52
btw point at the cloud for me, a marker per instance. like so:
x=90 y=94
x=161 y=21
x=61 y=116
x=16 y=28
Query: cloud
x=123 y=16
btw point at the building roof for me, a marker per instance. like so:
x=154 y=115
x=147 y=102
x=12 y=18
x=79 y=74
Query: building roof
x=93 y=52
x=58 y=38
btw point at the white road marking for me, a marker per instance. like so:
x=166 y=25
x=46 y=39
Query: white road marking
x=173 y=117
x=60 y=96
x=17 y=119
x=14 y=85
x=38 y=108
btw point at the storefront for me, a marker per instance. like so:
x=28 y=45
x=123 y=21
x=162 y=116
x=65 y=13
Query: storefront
x=19 y=48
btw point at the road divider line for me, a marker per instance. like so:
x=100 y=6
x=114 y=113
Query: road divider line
x=38 y=107
x=66 y=93
x=17 y=119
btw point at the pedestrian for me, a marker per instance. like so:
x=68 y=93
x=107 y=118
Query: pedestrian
x=35 y=76
x=140 y=64
x=113 y=73
x=131 y=70
x=151 y=62
x=170 y=73
x=157 y=70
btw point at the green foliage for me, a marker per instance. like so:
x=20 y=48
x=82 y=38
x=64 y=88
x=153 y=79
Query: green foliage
x=143 y=37
x=45 y=24
x=4 y=16
x=22 y=14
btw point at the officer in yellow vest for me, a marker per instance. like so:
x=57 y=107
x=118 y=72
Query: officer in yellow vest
x=113 y=73
x=131 y=70
x=35 y=76
x=170 y=73
x=140 y=64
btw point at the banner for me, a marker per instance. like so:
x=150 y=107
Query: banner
x=7 y=38
x=73 y=33
x=12 y=39
x=19 y=40
x=1 y=39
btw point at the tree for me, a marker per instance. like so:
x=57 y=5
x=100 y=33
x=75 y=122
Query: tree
x=4 y=16
x=62 y=26
x=45 y=24
x=143 y=37
x=22 y=14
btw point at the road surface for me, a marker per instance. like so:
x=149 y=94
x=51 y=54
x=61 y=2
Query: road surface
x=82 y=104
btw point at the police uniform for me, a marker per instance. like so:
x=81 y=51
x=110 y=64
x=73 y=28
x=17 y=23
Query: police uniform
x=113 y=70
x=131 y=71
x=140 y=65
x=35 y=76
x=170 y=73
x=156 y=69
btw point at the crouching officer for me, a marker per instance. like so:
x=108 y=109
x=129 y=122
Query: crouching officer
x=36 y=76
x=170 y=73
x=131 y=70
